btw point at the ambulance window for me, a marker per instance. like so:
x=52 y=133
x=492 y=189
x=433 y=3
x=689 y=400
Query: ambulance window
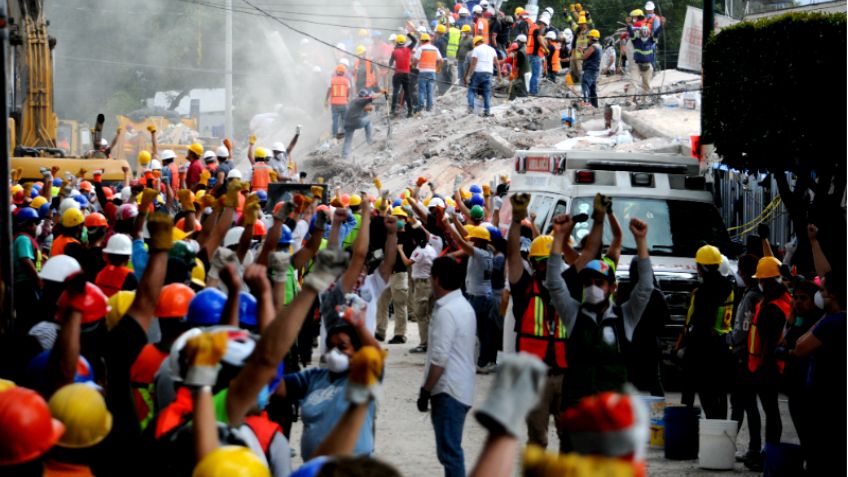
x=560 y=208
x=541 y=206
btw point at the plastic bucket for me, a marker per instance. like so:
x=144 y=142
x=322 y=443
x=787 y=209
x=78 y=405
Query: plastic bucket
x=717 y=444
x=783 y=460
x=681 y=432
x=656 y=408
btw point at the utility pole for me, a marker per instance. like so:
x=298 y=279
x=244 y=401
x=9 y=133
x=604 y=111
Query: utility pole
x=228 y=74
x=7 y=296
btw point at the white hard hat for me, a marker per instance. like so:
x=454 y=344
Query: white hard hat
x=167 y=154
x=234 y=174
x=68 y=204
x=551 y=35
x=436 y=202
x=58 y=268
x=567 y=33
x=341 y=46
x=477 y=9
x=125 y=194
x=118 y=244
x=344 y=61
x=522 y=38
x=650 y=6
x=422 y=29
x=544 y=18
x=155 y=165
x=484 y=3
x=208 y=154
x=392 y=38
x=550 y=10
x=278 y=146
x=464 y=12
x=222 y=151
x=233 y=236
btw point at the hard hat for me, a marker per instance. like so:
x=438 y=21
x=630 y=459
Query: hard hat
x=285 y=236
x=599 y=268
x=83 y=412
x=594 y=34
x=549 y=10
x=108 y=192
x=650 y=6
x=477 y=212
x=143 y=158
x=86 y=186
x=363 y=32
x=484 y=3
x=477 y=9
x=463 y=12
x=260 y=153
x=425 y=37
x=44 y=210
x=392 y=38
x=578 y=7
x=551 y=35
x=708 y=255
x=234 y=174
x=341 y=46
x=231 y=461
x=494 y=232
x=259 y=230
x=456 y=7
x=206 y=307
x=475 y=189
x=637 y=13
x=262 y=195
x=25 y=214
x=96 y=219
x=72 y=218
x=66 y=204
x=119 y=305
x=441 y=28
x=436 y=202
x=222 y=151
x=544 y=18
x=522 y=38
x=127 y=211
x=102 y=142
x=518 y=11
x=208 y=154
x=125 y=194
x=278 y=146
x=465 y=28
x=767 y=267
x=360 y=50
x=477 y=199
x=540 y=247
x=155 y=165
x=196 y=148
x=345 y=62
x=198 y=274
x=181 y=225
x=92 y=303
x=400 y=39
x=247 y=310
x=355 y=200
x=340 y=69
x=174 y=301
x=399 y=212
x=6 y=385
x=233 y=236
x=27 y=430
x=450 y=202
x=475 y=232
x=38 y=202
x=81 y=200
x=581 y=20
x=167 y=155
x=59 y=267
x=118 y=244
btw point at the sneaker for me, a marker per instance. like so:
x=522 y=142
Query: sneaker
x=487 y=114
x=398 y=340
x=470 y=110
x=487 y=369
x=754 y=462
x=419 y=349
x=380 y=337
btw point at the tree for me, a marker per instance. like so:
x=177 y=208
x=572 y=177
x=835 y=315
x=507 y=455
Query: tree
x=768 y=86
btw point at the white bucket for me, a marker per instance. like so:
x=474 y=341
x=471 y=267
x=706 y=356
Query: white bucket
x=717 y=444
x=656 y=409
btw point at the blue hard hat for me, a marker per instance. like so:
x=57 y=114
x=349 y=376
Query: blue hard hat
x=475 y=189
x=397 y=203
x=494 y=232
x=35 y=375
x=263 y=196
x=286 y=236
x=206 y=307
x=57 y=182
x=476 y=199
x=599 y=268
x=247 y=310
x=44 y=210
x=26 y=213
x=81 y=200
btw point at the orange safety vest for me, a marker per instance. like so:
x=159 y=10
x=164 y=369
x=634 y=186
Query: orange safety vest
x=541 y=327
x=481 y=28
x=175 y=175
x=370 y=78
x=428 y=58
x=555 y=64
x=340 y=90
x=531 y=37
x=261 y=176
x=59 y=244
x=142 y=374
x=755 y=351
x=111 y=279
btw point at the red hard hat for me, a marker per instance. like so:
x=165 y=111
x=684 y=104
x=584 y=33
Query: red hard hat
x=27 y=431
x=259 y=229
x=96 y=219
x=181 y=225
x=109 y=193
x=173 y=301
x=92 y=303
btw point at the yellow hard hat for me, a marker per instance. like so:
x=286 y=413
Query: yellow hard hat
x=399 y=212
x=465 y=28
x=637 y=13
x=143 y=158
x=231 y=461
x=260 y=153
x=594 y=34
x=540 y=247
x=72 y=217
x=450 y=201
x=709 y=255
x=476 y=232
x=119 y=305
x=38 y=202
x=581 y=20
x=465 y=193
x=83 y=412
x=355 y=200
x=518 y=11
x=400 y=39
x=578 y=6
x=198 y=273
x=478 y=39
x=196 y=148
x=363 y=32
x=767 y=267
x=5 y=385
x=360 y=50
x=425 y=37
x=441 y=28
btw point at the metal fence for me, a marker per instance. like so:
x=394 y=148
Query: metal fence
x=746 y=200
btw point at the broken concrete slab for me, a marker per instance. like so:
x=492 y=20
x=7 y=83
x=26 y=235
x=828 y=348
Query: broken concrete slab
x=501 y=146
x=664 y=122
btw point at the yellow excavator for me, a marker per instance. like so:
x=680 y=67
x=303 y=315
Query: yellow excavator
x=33 y=125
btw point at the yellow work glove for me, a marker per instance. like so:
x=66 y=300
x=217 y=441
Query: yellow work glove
x=27 y=189
x=487 y=191
x=147 y=197
x=81 y=173
x=598 y=208
x=301 y=202
x=231 y=199
x=252 y=139
x=17 y=174
x=160 y=226
x=207 y=201
x=251 y=210
x=378 y=184
x=204 y=353
x=152 y=128
x=186 y=199
x=119 y=131
x=366 y=367
x=204 y=177
x=318 y=192
x=273 y=175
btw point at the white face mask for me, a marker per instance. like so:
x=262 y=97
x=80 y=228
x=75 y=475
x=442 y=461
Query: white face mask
x=337 y=362
x=593 y=295
x=281 y=156
x=818 y=299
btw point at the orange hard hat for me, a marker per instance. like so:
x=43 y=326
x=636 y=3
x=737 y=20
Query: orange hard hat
x=340 y=69
x=86 y=186
x=96 y=219
x=173 y=301
x=181 y=225
x=109 y=193
x=259 y=229
x=91 y=302
x=27 y=431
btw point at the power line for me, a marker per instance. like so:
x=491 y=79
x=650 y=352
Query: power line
x=151 y=66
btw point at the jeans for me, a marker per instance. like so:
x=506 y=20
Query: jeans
x=588 y=85
x=480 y=80
x=364 y=123
x=338 y=118
x=460 y=67
x=401 y=80
x=487 y=329
x=426 y=81
x=448 y=417
x=536 y=70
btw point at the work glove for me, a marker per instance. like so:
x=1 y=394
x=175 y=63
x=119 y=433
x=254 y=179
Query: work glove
x=186 y=200
x=297 y=130
x=207 y=201
x=421 y=181
x=228 y=144
x=147 y=197
x=204 y=178
x=607 y=203
x=273 y=176
x=519 y=205
x=518 y=384
x=497 y=203
x=81 y=173
x=317 y=192
x=457 y=182
x=378 y=184
x=160 y=226
x=598 y=209
x=363 y=381
x=251 y=210
x=279 y=262
x=151 y=128
x=17 y=174
x=763 y=230
x=45 y=173
x=231 y=199
x=301 y=202
x=286 y=209
x=423 y=400
x=204 y=353
x=251 y=139
x=319 y=222
x=487 y=191
x=328 y=265
x=27 y=189
x=220 y=259
x=98 y=176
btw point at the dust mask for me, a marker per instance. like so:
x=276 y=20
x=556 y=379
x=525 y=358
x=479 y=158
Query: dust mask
x=281 y=156
x=337 y=362
x=818 y=300
x=593 y=295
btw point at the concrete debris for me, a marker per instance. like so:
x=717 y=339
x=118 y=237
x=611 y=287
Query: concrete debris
x=499 y=144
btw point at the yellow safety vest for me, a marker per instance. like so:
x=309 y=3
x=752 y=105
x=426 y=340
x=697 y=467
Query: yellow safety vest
x=454 y=35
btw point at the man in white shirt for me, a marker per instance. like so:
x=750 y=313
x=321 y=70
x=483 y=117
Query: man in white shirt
x=422 y=262
x=449 y=371
x=484 y=59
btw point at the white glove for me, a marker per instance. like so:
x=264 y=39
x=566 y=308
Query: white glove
x=518 y=385
x=329 y=264
x=498 y=203
x=297 y=129
x=278 y=262
x=222 y=257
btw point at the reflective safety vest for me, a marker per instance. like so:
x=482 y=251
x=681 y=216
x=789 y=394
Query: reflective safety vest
x=142 y=375
x=755 y=351
x=175 y=175
x=723 y=316
x=540 y=328
x=36 y=250
x=348 y=241
x=481 y=28
x=261 y=176
x=454 y=34
x=340 y=90
x=370 y=77
x=111 y=279
x=428 y=58
x=555 y=63
x=531 y=37
x=59 y=244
